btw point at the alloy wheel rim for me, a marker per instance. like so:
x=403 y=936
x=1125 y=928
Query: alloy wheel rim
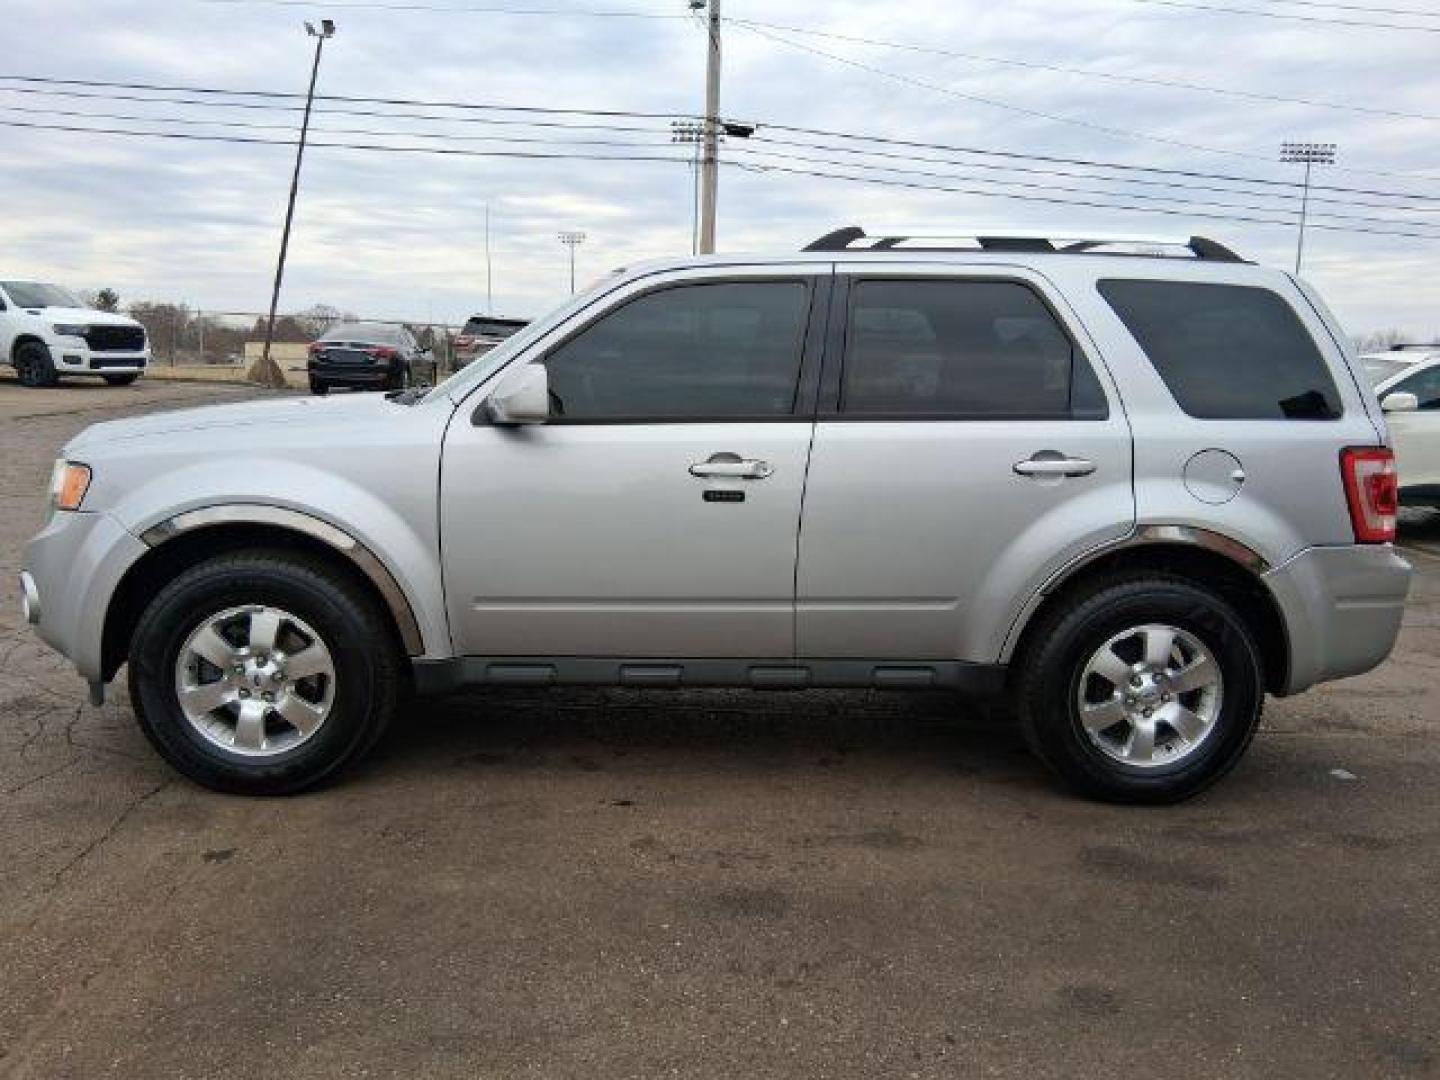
x=1150 y=695
x=255 y=680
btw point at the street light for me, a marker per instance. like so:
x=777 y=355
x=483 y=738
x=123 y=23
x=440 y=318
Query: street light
x=572 y=240
x=1308 y=154
x=266 y=371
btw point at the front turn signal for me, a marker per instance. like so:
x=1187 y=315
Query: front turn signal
x=68 y=485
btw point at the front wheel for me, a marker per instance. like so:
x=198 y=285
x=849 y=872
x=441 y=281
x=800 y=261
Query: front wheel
x=263 y=673
x=34 y=366
x=1143 y=690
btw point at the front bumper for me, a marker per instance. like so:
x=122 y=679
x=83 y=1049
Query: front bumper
x=70 y=572
x=72 y=356
x=1342 y=609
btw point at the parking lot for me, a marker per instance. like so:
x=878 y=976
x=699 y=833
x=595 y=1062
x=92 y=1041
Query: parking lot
x=606 y=883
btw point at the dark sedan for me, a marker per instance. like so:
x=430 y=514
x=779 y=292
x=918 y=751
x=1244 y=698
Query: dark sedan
x=364 y=356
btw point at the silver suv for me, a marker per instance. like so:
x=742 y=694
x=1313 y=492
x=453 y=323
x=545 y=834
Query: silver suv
x=1136 y=485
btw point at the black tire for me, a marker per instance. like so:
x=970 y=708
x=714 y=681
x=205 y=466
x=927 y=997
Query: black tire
x=34 y=366
x=399 y=379
x=121 y=380
x=369 y=668
x=318 y=386
x=1047 y=686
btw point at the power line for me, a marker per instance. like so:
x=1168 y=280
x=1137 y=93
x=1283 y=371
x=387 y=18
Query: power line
x=214 y=98
x=1041 y=114
x=378 y=133
x=1367 y=8
x=1113 y=76
x=1292 y=16
x=1141 y=181
x=918 y=185
x=290 y=95
x=1039 y=186
x=389 y=114
x=993 y=102
x=377 y=147
x=1074 y=202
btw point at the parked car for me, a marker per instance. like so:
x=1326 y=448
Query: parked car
x=47 y=332
x=365 y=356
x=480 y=334
x=1410 y=396
x=1135 y=494
x=1379 y=366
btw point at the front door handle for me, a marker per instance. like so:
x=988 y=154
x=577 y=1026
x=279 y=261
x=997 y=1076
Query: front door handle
x=732 y=467
x=1050 y=463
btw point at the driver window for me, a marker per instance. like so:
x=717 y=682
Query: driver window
x=714 y=351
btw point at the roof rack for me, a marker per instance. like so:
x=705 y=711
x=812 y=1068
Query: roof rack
x=847 y=239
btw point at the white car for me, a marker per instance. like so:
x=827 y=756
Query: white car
x=47 y=332
x=1410 y=396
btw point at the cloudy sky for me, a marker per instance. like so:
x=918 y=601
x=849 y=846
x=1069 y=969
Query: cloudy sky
x=401 y=234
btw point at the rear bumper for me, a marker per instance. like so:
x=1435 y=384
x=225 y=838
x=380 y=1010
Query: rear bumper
x=352 y=374
x=1342 y=609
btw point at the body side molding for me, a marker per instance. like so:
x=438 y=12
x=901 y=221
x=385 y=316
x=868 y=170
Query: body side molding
x=359 y=555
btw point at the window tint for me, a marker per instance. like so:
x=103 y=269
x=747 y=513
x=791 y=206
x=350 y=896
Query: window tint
x=728 y=349
x=1227 y=352
x=1425 y=385
x=963 y=349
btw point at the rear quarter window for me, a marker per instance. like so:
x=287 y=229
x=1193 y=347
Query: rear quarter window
x=1227 y=352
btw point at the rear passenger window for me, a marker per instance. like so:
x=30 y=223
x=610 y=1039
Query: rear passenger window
x=961 y=350
x=1227 y=352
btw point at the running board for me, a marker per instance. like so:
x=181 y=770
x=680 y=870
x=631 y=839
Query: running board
x=442 y=676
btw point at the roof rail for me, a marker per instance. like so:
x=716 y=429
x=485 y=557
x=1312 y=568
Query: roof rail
x=847 y=239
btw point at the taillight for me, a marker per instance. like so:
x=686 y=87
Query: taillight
x=380 y=352
x=1372 y=488
x=316 y=347
x=463 y=341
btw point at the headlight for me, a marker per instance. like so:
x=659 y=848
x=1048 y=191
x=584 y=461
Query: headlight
x=68 y=484
x=70 y=329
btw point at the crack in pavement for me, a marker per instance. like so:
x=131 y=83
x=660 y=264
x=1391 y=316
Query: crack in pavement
x=109 y=831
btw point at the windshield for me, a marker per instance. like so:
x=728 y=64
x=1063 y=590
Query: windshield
x=492 y=328
x=1377 y=371
x=36 y=294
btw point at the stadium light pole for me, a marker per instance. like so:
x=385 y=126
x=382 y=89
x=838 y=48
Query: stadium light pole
x=1308 y=154
x=266 y=371
x=572 y=240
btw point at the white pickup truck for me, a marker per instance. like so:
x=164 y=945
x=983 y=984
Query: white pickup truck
x=47 y=332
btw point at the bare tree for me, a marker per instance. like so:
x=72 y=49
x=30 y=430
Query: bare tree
x=319 y=318
x=107 y=300
x=1379 y=340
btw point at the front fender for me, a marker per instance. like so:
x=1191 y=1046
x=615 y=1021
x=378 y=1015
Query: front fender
x=393 y=540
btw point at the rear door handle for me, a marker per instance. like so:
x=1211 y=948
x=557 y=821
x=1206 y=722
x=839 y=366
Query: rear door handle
x=732 y=467
x=1049 y=463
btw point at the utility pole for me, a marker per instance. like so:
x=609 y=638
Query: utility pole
x=1309 y=154
x=710 y=154
x=572 y=240
x=266 y=371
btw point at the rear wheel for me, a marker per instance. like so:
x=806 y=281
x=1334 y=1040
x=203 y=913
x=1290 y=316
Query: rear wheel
x=263 y=673
x=1143 y=690
x=399 y=380
x=34 y=366
x=318 y=386
x=121 y=380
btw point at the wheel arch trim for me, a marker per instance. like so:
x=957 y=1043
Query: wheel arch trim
x=360 y=556
x=1146 y=535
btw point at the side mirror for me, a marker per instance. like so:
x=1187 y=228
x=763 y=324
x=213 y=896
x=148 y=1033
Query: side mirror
x=1400 y=401
x=522 y=398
